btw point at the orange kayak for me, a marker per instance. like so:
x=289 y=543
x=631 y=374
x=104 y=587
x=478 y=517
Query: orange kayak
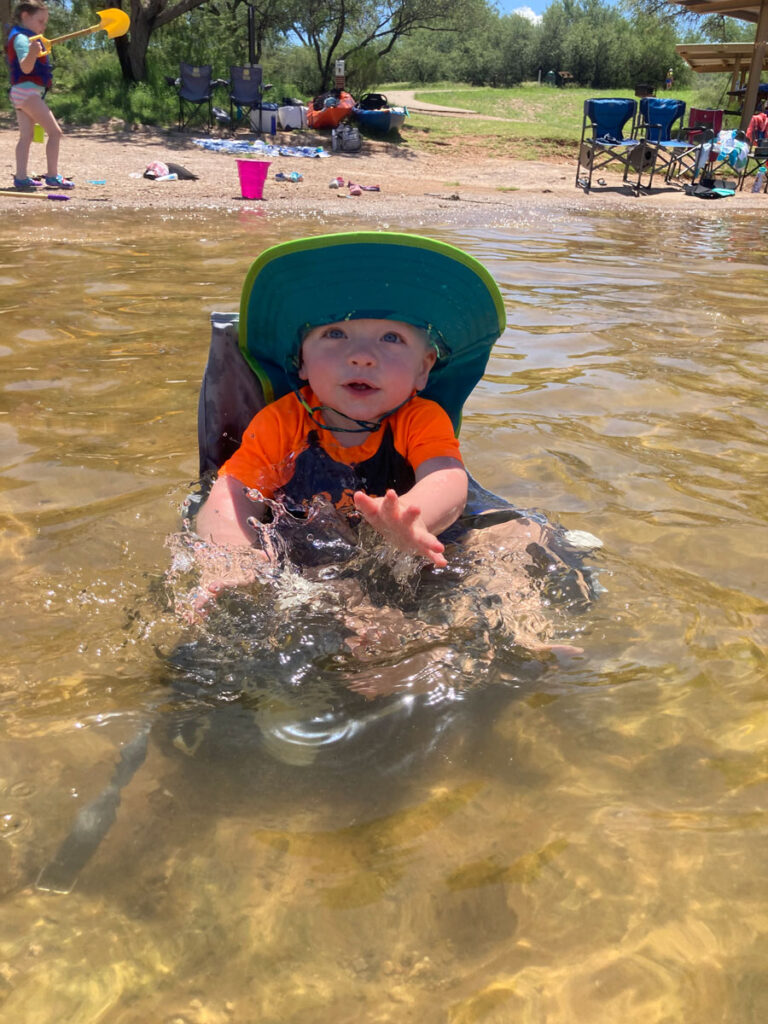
x=329 y=117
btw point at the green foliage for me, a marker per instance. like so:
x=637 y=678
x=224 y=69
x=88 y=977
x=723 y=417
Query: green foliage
x=470 y=41
x=538 y=119
x=98 y=92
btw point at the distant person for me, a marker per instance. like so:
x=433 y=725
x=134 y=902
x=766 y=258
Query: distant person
x=758 y=127
x=31 y=78
x=670 y=79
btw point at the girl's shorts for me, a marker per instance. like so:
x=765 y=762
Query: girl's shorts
x=20 y=93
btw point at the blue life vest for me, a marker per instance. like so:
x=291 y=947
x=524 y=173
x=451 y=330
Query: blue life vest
x=41 y=73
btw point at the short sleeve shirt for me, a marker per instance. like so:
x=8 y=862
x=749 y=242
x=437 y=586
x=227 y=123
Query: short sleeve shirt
x=284 y=455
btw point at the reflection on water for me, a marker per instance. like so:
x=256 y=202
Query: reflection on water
x=579 y=840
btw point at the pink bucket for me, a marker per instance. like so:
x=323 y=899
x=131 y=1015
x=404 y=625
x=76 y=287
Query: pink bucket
x=253 y=174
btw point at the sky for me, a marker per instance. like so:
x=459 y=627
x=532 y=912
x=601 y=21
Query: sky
x=533 y=9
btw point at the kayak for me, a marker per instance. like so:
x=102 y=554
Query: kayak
x=329 y=117
x=380 y=121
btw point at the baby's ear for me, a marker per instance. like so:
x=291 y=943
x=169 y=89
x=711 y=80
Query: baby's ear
x=430 y=358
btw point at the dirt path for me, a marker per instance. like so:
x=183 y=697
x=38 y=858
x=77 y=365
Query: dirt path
x=408 y=99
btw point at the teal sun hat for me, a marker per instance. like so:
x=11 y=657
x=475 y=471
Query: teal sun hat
x=362 y=275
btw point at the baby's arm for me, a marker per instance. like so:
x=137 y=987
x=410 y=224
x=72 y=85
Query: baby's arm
x=223 y=519
x=412 y=520
x=230 y=556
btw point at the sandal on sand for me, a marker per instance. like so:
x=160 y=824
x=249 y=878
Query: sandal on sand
x=26 y=183
x=57 y=181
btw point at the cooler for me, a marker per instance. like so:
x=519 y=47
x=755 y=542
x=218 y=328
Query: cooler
x=292 y=117
x=264 y=118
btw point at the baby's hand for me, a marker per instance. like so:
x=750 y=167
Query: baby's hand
x=400 y=524
x=222 y=569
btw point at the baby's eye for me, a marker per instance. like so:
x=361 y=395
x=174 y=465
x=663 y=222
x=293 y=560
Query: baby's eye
x=333 y=332
x=392 y=337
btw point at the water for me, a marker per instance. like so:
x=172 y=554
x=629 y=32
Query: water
x=586 y=842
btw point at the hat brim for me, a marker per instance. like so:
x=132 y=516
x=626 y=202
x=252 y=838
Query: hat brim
x=363 y=275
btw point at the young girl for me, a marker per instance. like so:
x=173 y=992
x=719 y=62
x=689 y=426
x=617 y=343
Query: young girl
x=30 y=80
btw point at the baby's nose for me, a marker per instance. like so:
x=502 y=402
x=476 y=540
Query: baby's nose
x=362 y=355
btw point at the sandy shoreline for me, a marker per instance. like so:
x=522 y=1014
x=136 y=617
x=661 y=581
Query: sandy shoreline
x=463 y=183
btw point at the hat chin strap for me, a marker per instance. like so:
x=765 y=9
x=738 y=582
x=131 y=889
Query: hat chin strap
x=363 y=426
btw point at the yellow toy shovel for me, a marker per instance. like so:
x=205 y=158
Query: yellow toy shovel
x=114 y=22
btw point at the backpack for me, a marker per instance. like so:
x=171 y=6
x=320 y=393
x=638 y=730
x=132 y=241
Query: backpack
x=345 y=138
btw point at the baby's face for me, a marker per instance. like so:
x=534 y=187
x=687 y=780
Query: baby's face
x=365 y=368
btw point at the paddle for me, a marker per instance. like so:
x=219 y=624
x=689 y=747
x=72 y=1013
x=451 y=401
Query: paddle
x=114 y=22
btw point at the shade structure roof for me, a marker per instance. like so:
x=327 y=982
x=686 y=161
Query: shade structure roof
x=733 y=8
x=712 y=57
x=754 y=12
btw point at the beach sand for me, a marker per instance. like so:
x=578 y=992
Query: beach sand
x=459 y=181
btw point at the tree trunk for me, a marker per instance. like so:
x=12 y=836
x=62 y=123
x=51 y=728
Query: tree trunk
x=146 y=16
x=132 y=48
x=6 y=18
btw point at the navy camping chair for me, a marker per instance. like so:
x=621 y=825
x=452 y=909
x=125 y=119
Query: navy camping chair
x=195 y=87
x=603 y=142
x=675 y=152
x=246 y=89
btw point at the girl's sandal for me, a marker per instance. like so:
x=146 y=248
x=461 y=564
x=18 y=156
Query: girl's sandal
x=57 y=181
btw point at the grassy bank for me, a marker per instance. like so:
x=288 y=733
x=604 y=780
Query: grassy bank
x=536 y=121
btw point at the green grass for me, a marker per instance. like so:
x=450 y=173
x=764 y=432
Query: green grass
x=539 y=121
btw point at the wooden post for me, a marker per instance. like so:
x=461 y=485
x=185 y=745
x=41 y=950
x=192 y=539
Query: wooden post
x=339 y=75
x=756 y=67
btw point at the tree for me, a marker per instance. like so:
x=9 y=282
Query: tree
x=146 y=17
x=338 y=29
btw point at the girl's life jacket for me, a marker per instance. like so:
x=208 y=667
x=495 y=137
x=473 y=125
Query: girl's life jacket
x=41 y=73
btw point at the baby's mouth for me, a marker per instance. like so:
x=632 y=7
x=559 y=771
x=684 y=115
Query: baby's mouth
x=360 y=386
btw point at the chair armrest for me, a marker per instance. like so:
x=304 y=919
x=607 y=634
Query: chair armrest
x=266 y=86
x=696 y=136
x=171 y=80
x=219 y=81
x=648 y=127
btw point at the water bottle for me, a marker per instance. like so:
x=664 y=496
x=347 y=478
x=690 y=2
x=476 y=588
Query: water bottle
x=759 y=181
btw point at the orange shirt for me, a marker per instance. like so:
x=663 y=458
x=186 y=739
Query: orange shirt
x=284 y=454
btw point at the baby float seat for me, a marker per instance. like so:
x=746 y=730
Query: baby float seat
x=253 y=358
x=231 y=394
x=326 y=279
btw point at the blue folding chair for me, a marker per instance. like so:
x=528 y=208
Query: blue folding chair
x=195 y=87
x=676 y=149
x=247 y=90
x=603 y=142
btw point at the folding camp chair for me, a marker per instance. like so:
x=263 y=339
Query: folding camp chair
x=673 y=150
x=603 y=141
x=246 y=89
x=756 y=161
x=704 y=123
x=195 y=94
x=727 y=154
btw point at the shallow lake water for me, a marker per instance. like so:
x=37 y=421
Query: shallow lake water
x=586 y=841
